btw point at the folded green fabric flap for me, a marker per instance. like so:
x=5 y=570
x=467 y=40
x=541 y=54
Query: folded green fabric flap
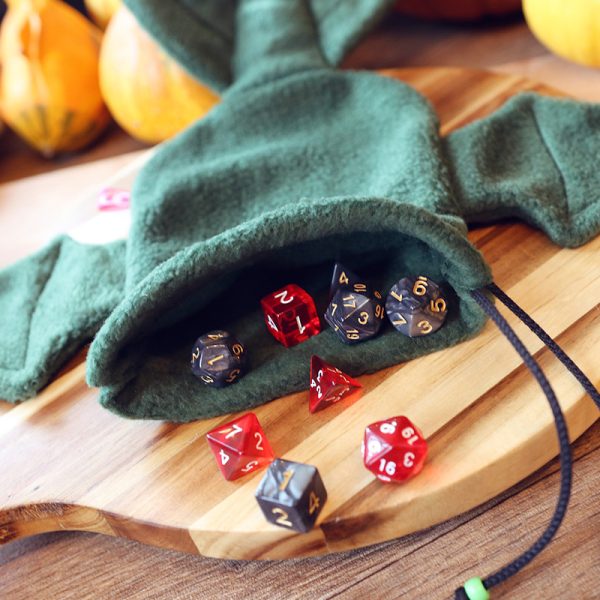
x=535 y=158
x=200 y=34
x=274 y=43
x=51 y=303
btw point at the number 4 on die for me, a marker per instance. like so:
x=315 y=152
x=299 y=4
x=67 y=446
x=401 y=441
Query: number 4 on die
x=240 y=446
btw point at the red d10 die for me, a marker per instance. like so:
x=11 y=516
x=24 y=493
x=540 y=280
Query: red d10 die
x=290 y=315
x=240 y=446
x=328 y=385
x=394 y=449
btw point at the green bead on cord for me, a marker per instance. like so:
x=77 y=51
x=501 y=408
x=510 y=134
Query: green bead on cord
x=475 y=589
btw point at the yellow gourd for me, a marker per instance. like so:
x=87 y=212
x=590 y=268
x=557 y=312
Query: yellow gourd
x=147 y=92
x=49 y=92
x=102 y=10
x=570 y=28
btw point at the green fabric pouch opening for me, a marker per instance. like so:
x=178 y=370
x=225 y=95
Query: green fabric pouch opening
x=299 y=166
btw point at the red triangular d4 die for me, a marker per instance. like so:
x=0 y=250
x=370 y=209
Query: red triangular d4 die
x=328 y=385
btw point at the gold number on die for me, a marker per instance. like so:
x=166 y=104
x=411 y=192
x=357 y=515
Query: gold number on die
x=287 y=475
x=425 y=326
x=420 y=286
x=438 y=305
x=314 y=503
x=233 y=376
x=283 y=517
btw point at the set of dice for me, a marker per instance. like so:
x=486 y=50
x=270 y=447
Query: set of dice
x=292 y=494
x=414 y=306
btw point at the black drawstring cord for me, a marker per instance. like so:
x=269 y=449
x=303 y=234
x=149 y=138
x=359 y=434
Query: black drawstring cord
x=476 y=588
x=587 y=385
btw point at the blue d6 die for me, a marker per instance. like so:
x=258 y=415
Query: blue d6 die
x=291 y=495
x=415 y=306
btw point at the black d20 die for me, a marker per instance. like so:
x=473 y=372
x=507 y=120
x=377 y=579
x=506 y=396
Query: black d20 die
x=291 y=495
x=415 y=306
x=218 y=358
x=343 y=277
x=355 y=316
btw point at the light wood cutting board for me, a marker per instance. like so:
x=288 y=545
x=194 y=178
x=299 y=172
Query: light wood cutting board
x=68 y=464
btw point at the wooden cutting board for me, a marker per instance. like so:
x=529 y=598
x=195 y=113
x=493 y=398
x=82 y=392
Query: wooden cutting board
x=68 y=464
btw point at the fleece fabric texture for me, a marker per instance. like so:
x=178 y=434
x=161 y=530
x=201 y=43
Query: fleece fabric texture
x=51 y=303
x=201 y=34
x=299 y=166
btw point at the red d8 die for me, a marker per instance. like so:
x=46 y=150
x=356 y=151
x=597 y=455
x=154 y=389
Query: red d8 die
x=394 y=449
x=290 y=315
x=328 y=385
x=240 y=446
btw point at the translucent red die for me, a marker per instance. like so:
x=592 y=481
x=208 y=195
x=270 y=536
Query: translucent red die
x=113 y=199
x=290 y=315
x=329 y=385
x=240 y=446
x=394 y=449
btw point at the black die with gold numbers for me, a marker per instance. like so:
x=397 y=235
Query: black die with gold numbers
x=342 y=277
x=415 y=306
x=355 y=312
x=218 y=358
x=291 y=495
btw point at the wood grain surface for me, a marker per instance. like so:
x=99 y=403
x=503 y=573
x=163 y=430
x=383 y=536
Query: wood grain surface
x=67 y=464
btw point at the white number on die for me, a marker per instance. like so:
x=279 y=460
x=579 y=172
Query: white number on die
x=409 y=434
x=283 y=297
x=231 y=431
x=388 y=427
x=251 y=465
x=387 y=467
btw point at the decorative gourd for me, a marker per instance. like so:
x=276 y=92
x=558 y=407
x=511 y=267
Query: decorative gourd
x=147 y=92
x=457 y=10
x=102 y=10
x=49 y=92
x=570 y=28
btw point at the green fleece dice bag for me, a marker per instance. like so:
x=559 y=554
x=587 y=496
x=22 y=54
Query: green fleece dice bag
x=55 y=300
x=51 y=303
x=301 y=165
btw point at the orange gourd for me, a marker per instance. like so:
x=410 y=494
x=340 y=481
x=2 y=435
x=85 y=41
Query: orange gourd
x=49 y=91
x=147 y=92
x=102 y=11
x=570 y=28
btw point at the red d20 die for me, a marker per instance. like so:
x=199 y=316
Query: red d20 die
x=240 y=446
x=394 y=449
x=290 y=315
x=328 y=385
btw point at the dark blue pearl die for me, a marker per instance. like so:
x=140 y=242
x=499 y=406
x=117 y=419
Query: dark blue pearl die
x=415 y=306
x=218 y=358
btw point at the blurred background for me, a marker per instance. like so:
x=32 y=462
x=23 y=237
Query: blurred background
x=81 y=81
